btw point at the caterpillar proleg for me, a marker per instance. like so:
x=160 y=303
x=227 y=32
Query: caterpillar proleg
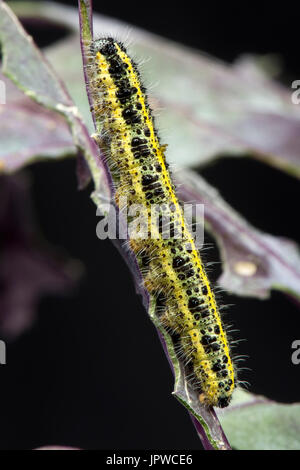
x=171 y=267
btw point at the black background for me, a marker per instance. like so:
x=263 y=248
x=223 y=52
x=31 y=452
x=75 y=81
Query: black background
x=91 y=372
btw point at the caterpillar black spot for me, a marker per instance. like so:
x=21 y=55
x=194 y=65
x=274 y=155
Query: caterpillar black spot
x=172 y=268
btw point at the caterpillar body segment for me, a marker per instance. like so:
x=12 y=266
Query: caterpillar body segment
x=171 y=265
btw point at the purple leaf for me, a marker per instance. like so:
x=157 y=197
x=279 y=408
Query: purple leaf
x=56 y=448
x=24 y=64
x=29 y=131
x=210 y=108
x=222 y=110
x=253 y=262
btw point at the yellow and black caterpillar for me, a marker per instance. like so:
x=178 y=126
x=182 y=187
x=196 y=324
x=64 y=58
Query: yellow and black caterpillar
x=171 y=266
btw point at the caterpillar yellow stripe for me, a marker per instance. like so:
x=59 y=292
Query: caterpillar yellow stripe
x=172 y=268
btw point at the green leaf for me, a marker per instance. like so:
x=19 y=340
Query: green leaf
x=253 y=422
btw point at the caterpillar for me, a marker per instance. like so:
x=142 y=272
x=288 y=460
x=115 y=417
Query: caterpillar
x=171 y=267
